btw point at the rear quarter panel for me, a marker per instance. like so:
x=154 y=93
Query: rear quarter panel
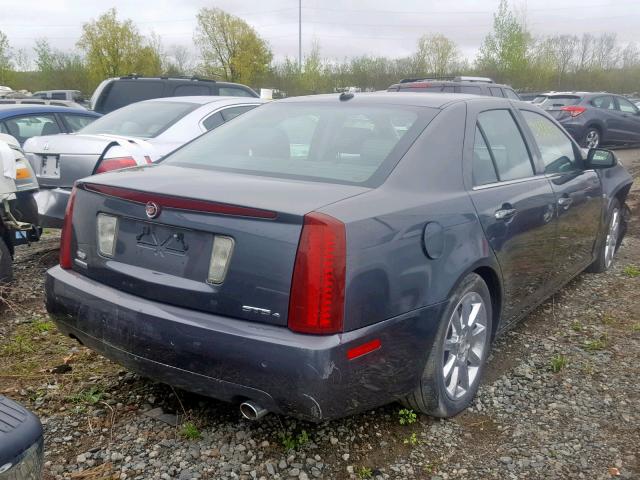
x=388 y=271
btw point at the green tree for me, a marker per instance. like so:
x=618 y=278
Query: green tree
x=231 y=48
x=437 y=55
x=114 y=48
x=5 y=58
x=504 y=51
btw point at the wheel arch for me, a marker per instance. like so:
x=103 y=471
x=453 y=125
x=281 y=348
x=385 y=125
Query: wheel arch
x=492 y=279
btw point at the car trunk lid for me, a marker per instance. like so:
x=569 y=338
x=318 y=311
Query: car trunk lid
x=167 y=258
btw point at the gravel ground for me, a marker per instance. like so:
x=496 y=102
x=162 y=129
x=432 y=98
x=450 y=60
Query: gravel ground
x=560 y=400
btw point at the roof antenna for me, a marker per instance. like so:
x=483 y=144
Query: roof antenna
x=344 y=96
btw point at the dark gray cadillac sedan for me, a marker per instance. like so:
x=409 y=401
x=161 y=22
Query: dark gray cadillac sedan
x=324 y=255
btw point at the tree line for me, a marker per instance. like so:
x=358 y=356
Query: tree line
x=230 y=49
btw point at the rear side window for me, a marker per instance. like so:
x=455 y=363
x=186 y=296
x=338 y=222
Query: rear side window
x=470 y=89
x=507 y=147
x=3 y=129
x=605 y=102
x=187 y=90
x=555 y=147
x=58 y=96
x=233 y=92
x=76 y=122
x=496 y=91
x=511 y=94
x=125 y=92
x=233 y=112
x=484 y=170
x=213 y=121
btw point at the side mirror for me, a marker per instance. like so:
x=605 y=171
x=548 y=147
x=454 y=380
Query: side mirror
x=599 y=158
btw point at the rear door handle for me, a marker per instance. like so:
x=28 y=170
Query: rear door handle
x=505 y=213
x=565 y=202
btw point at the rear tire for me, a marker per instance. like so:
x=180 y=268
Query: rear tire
x=6 y=263
x=461 y=345
x=592 y=138
x=612 y=239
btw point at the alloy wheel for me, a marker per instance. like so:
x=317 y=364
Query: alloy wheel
x=612 y=238
x=592 y=140
x=464 y=345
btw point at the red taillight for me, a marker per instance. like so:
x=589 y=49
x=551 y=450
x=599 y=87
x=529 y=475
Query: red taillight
x=116 y=163
x=317 y=291
x=573 y=110
x=66 y=239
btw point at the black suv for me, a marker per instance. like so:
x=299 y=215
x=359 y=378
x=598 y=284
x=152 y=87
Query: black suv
x=114 y=93
x=472 y=85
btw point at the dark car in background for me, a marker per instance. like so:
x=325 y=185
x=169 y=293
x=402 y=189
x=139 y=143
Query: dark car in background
x=26 y=121
x=594 y=119
x=471 y=85
x=114 y=93
x=312 y=259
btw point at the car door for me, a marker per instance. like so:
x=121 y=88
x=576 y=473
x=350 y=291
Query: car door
x=628 y=119
x=578 y=194
x=515 y=204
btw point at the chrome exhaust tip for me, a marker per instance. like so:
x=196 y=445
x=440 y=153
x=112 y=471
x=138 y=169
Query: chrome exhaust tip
x=252 y=411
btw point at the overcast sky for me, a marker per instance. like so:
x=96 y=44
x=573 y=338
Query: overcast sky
x=343 y=27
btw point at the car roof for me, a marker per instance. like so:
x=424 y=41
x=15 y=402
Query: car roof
x=575 y=94
x=206 y=99
x=8 y=110
x=419 y=99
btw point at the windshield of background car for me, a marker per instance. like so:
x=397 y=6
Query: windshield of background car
x=338 y=143
x=553 y=101
x=144 y=119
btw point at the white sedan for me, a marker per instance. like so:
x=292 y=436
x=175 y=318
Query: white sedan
x=137 y=134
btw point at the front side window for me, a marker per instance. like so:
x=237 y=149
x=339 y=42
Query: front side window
x=555 y=147
x=145 y=119
x=511 y=94
x=495 y=91
x=338 y=143
x=58 y=96
x=25 y=127
x=508 y=149
x=626 y=106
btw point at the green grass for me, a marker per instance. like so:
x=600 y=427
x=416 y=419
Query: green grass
x=631 y=271
x=558 y=363
x=88 y=397
x=407 y=416
x=18 y=345
x=596 y=344
x=411 y=440
x=290 y=442
x=635 y=327
x=364 y=472
x=190 y=431
x=43 y=326
x=576 y=326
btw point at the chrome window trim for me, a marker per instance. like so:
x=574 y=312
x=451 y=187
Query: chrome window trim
x=509 y=182
x=220 y=109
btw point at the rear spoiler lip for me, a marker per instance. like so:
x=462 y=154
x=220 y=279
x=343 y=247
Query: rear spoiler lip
x=177 y=203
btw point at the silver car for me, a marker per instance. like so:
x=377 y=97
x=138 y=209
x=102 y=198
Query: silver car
x=137 y=134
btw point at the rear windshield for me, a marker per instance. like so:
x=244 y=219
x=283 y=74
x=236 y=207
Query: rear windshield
x=338 y=143
x=144 y=119
x=559 y=101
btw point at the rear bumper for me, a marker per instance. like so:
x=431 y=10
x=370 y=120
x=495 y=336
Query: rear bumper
x=576 y=130
x=233 y=360
x=52 y=204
